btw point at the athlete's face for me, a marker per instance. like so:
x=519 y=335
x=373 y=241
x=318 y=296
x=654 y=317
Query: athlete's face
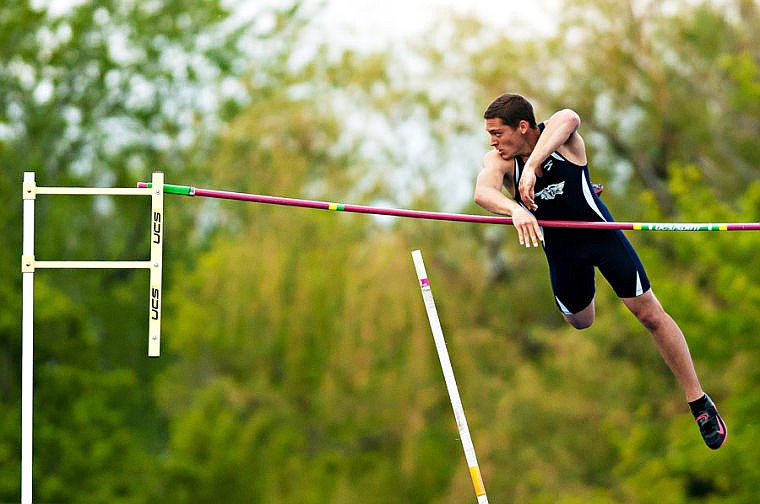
x=509 y=141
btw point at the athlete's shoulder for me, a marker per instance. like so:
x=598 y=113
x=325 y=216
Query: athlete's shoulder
x=573 y=149
x=492 y=161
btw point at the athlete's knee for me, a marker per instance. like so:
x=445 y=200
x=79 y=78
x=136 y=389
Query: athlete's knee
x=653 y=319
x=579 y=323
x=582 y=319
x=650 y=313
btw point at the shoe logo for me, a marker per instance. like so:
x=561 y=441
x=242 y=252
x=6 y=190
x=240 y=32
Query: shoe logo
x=552 y=191
x=721 y=428
x=705 y=417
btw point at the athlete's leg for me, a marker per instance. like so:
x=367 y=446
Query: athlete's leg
x=572 y=280
x=582 y=319
x=669 y=341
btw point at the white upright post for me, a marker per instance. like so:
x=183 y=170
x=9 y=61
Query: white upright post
x=28 y=266
x=27 y=341
x=156 y=265
x=448 y=375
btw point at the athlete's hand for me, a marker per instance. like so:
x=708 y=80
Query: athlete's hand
x=527 y=227
x=527 y=184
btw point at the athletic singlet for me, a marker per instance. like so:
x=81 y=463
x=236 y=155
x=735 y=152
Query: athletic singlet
x=564 y=192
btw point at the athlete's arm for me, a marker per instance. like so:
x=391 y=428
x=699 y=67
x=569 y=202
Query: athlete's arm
x=498 y=173
x=560 y=134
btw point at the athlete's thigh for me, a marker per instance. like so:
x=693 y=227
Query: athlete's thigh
x=572 y=282
x=619 y=263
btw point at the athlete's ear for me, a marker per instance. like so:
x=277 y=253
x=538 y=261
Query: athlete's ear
x=523 y=126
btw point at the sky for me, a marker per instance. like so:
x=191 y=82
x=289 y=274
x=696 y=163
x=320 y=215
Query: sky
x=372 y=23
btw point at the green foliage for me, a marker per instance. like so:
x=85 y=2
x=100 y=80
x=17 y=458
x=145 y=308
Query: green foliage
x=99 y=94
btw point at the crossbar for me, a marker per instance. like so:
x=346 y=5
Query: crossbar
x=105 y=191
x=457 y=217
x=93 y=264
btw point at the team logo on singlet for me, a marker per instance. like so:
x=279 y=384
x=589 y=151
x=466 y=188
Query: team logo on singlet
x=551 y=191
x=548 y=165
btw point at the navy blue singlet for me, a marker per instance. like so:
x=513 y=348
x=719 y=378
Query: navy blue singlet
x=564 y=192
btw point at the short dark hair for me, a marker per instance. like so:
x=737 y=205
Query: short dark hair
x=511 y=109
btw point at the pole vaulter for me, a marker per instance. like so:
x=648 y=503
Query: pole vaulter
x=420 y=214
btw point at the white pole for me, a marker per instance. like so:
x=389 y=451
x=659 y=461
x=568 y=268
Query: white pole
x=448 y=375
x=28 y=266
x=156 y=261
x=27 y=343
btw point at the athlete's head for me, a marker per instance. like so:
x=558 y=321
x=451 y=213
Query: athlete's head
x=511 y=109
x=510 y=122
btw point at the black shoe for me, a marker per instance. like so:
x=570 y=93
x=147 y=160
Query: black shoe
x=711 y=425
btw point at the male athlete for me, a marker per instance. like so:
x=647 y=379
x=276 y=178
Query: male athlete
x=544 y=168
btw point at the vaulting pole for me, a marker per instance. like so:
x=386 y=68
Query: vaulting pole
x=483 y=219
x=448 y=375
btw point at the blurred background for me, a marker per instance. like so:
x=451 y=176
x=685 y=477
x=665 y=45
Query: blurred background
x=297 y=363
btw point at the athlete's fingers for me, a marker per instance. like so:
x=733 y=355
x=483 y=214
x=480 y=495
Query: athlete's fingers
x=521 y=233
x=537 y=235
x=531 y=237
x=529 y=199
x=527 y=189
x=529 y=234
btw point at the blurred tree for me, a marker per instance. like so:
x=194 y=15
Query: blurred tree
x=100 y=93
x=668 y=95
x=282 y=353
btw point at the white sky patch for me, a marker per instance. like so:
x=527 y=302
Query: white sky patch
x=372 y=24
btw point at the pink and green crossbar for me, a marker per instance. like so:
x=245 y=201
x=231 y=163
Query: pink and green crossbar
x=420 y=214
